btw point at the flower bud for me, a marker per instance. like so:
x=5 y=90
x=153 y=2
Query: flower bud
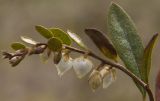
x=7 y=55
x=82 y=66
x=57 y=57
x=95 y=80
x=37 y=49
x=15 y=60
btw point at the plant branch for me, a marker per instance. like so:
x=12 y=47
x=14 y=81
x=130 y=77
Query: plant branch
x=118 y=66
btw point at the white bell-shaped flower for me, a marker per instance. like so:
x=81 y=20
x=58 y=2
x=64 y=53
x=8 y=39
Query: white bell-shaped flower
x=64 y=65
x=82 y=66
x=108 y=75
x=45 y=55
x=95 y=80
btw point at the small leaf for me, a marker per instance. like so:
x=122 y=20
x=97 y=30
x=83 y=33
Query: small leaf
x=55 y=44
x=82 y=66
x=17 y=46
x=64 y=65
x=77 y=39
x=102 y=43
x=147 y=56
x=58 y=33
x=28 y=40
x=44 y=31
x=126 y=41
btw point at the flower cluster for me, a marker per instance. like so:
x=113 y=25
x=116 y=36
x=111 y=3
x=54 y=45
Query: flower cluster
x=56 y=46
x=82 y=65
x=64 y=62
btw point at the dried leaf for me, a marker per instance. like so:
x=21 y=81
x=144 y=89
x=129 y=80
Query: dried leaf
x=102 y=43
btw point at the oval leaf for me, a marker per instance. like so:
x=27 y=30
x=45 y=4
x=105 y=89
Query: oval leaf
x=54 y=44
x=147 y=56
x=17 y=46
x=102 y=43
x=44 y=31
x=58 y=33
x=125 y=39
x=28 y=40
x=77 y=39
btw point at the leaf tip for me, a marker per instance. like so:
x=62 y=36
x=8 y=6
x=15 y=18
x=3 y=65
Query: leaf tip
x=113 y=5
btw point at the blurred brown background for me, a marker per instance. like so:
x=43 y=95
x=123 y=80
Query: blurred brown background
x=34 y=81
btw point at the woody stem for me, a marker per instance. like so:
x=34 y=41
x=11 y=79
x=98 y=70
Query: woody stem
x=118 y=66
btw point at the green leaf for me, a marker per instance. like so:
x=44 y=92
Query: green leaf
x=28 y=40
x=17 y=46
x=54 y=44
x=77 y=39
x=126 y=41
x=44 y=31
x=58 y=33
x=147 y=56
x=102 y=42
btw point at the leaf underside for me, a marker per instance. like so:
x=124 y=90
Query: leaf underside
x=128 y=45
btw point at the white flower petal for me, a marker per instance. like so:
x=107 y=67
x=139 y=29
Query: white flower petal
x=82 y=66
x=64 y=65
x=95 y=80
x=109 y=79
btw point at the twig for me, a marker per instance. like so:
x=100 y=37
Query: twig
x=118 y=66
